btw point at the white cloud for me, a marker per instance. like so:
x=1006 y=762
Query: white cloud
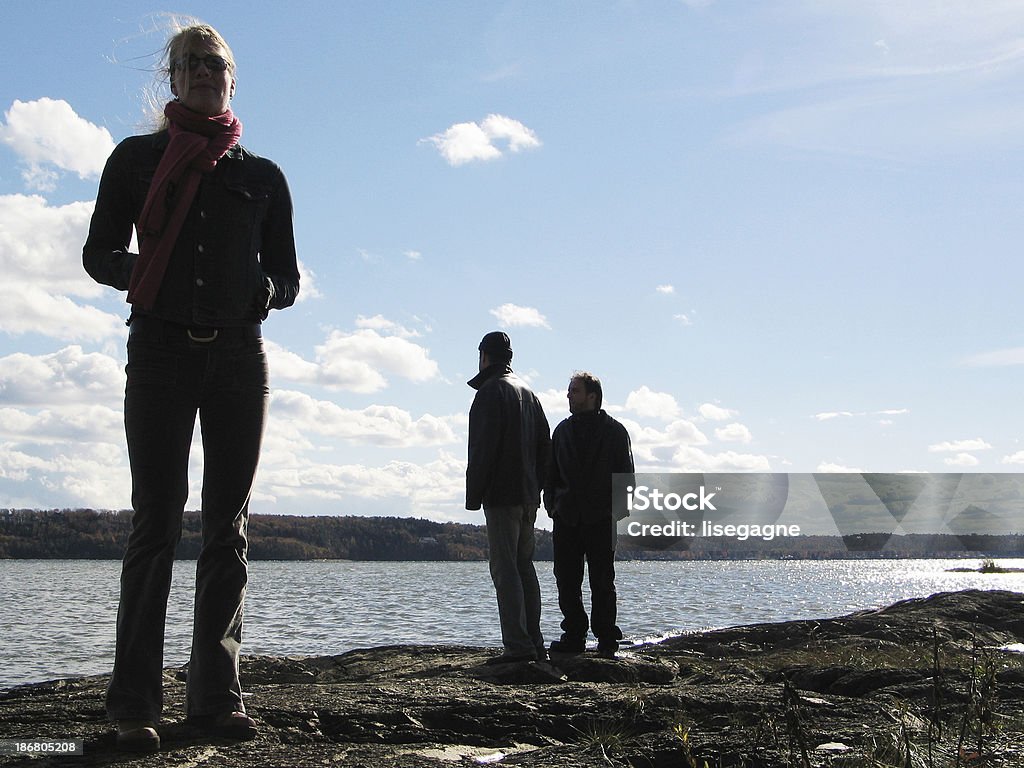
x=654 y=448
x=375 y=424
x=512 y=316
x=67 y=377
x=468 y=142
x=657 y=405
x=666 y=289
x=431 y=489
x=997 y=358
x=381 y=323
x=734 y=433
x=40 y=257
x=555 y=405
x=62 y=430
x=1014 y=458
x=977 y=444
x=17 y=465
x=288 y=365
x=81 y=424
x=683 y=319
x=43 y=244
x=828 y=415
x=828 y=466
x=518 y=136
x=47 y=132
x=28 y=309
x=94 y=475
x=713 y=412
x=691 y=459
x=962 y=460
x=308 y=288
x=359 y=361
x=683 y=432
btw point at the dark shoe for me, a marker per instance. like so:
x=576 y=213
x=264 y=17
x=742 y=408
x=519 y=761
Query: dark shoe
x=137 y=736
x=510 y=658
x=236 y=726
x=607 y=649
x=568 y=645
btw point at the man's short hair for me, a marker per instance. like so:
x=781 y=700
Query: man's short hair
x=591 y=384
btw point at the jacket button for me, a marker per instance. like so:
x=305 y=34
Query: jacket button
x=200 y=249
x=199 y=282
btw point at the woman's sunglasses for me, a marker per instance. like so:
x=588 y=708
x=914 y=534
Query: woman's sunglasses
x=212 y=63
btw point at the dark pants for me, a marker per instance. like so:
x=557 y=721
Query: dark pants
x=594 y=544
x=171 y=378
x=511 y=543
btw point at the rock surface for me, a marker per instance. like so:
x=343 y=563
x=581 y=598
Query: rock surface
x=919 y=683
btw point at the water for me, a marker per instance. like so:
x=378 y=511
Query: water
x=57 y=617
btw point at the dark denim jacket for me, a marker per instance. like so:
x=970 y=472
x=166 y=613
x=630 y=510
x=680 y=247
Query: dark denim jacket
x=237 y=234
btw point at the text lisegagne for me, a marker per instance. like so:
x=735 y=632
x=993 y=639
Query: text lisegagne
x=677 y=529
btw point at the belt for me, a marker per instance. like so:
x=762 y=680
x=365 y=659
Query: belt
x=154 y=327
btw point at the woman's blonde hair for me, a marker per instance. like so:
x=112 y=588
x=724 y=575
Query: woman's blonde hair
x=188 y=35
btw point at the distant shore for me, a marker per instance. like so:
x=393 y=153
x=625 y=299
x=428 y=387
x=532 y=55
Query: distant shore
x=102 y=535
x=987 y=566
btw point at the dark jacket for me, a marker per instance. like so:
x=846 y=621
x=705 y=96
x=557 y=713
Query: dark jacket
x=237 y=233
x=587 y=449
x=509 y=442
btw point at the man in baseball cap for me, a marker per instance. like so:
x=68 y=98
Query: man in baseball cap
x=509 y=450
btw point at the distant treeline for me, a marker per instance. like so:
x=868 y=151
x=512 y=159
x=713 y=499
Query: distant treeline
x=95 y=534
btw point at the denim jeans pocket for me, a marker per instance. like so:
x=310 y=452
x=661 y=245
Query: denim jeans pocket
x=151 y=364
x=248 y=367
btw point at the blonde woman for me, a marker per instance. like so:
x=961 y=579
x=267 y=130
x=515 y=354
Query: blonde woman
x=216 y=253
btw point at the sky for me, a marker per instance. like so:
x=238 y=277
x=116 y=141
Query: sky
x=785 y=234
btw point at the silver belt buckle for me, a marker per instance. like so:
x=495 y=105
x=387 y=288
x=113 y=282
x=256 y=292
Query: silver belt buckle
x=203 y=339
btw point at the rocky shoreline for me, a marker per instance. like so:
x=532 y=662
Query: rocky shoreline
x=929 y=683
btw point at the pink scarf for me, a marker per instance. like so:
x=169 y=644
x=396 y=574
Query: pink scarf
x=197 y=143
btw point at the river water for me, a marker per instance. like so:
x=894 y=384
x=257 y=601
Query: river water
x=57 y=616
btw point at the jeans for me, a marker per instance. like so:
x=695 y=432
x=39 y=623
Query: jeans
x=511 y=543
x=594 y=543
x=171 y=379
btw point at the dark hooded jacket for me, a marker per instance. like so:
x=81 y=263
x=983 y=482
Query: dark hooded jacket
x=587 y=449
x=509 y=441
